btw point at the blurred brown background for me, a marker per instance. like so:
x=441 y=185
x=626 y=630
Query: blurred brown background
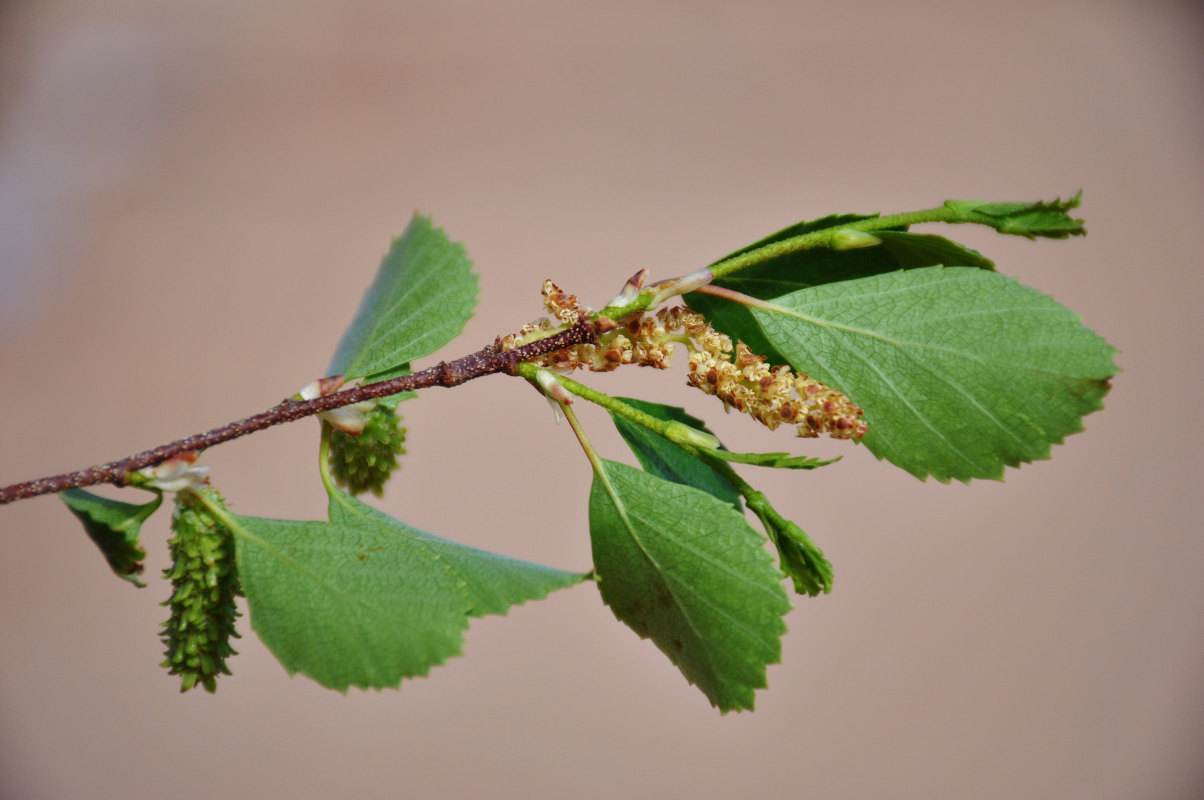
x=193 y=198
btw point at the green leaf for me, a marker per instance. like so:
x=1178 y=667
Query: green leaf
x=113 y=526
x=491 y=582
x=423 y=295
x=684 y=569
x=784 y=274
x=832 y=221
x=1049 y=220
x=671 y=461
x=668 y=460
x=346 y=607
x=801 y=559
x=819 y=266
x=365 y=600
x=960 y=371
x=773 y=460
x=912 y=250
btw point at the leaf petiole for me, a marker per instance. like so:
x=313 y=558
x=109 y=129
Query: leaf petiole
x=584 y=441
x=324 y=459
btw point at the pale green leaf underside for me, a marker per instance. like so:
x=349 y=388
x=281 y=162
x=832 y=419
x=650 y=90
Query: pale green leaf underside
x=960 y=371
x=365 y=600
x=686 y=570
x=348 y=607
x=423 y=295
x=491 y=582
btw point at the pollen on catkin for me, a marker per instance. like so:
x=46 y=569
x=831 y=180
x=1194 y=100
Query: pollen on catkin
x=774 y=396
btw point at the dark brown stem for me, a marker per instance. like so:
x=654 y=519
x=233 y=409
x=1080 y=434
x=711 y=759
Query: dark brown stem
x=446 y=373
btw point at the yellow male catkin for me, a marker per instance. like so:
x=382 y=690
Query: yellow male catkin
x=774 y=396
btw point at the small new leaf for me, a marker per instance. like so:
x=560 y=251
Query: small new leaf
x=685 y=570
x=423 y=295
x=113 y=526
x=800 y=558
x=1049 y=220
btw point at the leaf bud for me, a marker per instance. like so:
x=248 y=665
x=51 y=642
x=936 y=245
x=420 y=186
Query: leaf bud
x=553 y=388
x=848 y=239
x=631 y=290
x=675 y=286
x=178 y=474
x=348 y=419
x=683 y=434
x=319 y=388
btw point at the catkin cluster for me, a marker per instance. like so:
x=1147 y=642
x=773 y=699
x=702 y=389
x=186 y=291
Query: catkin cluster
x=363 y=463
x=774 y=396
x=204 y=582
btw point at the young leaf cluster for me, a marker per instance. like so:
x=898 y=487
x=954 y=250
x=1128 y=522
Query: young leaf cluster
x=958 y=370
